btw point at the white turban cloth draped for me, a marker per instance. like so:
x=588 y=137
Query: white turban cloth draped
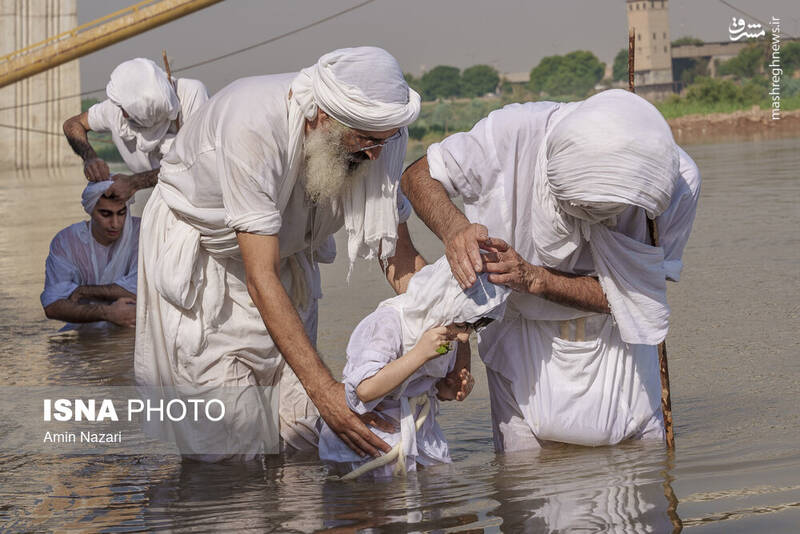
x=612 y=151
x=117 y=265
x=363 y=88
x=143 y=90
x=434 y=298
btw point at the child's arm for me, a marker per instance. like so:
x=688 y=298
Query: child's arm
x=397 y=371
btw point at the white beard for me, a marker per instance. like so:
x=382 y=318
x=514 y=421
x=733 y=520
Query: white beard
x=329 y=169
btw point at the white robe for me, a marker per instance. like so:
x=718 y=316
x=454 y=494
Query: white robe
x=197 y=328
x=546 y=387
x=77 y=259
x=105 y=116
x=375 y=342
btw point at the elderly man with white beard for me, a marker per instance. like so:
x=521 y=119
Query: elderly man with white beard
x=247 y=201
x=565 y=191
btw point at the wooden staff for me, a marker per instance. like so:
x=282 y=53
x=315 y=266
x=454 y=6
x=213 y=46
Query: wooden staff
x=174 y=86
x=666 y=398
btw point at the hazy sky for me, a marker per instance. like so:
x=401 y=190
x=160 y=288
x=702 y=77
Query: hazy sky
x=511 y=35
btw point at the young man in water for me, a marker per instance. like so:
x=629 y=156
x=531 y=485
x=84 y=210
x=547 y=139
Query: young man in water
x=91 y=270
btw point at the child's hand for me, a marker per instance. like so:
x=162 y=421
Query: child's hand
x=455 y=387
x=431 y=341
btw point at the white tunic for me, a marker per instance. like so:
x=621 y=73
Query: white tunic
x=596 y=391
x=106 y=117
x=196 y=324
x=377 y=341
x=77 y=259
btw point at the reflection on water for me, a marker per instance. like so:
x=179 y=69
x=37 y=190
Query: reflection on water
x=732 y=357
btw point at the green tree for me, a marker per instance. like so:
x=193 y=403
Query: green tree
x=687 y=70
x=441 y=82
x=574 y=74
x=413 y=82
x=620 y=69
x=479 y=80
x=545 y=70
x=790 y=58
x=687 y=41
x=746 y=63
x=713 y=91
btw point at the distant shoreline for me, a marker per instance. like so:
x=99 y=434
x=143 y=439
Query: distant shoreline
x=744 y=125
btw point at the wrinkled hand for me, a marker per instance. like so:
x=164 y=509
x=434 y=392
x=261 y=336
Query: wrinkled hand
x=122 y=312
x=457 y=385
x=96 y=170
x=76 y=295
x=347 y=424
x=122 y=189
x=431 y=340
x=508 y=268
x=462 y=248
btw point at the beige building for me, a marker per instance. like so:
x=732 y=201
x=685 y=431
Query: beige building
x=22 y=24
x=650 y=20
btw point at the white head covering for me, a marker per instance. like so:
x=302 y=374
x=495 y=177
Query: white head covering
x=92 y=193
x=142 y=89
x=612 y=151
x=434 y=298
x=362 y=88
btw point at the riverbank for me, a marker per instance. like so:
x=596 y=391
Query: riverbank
x=751 y=125
x=754 y=124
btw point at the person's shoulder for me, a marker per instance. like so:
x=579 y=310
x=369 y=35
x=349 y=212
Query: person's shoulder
x=191 y=85
x=265 y=87
x=384 y=318
x=254 y=105
x=689 y=172
x=522 y=116
x=103 y=115
x=72 y=233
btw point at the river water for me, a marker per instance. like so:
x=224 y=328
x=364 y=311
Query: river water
x=734 y=367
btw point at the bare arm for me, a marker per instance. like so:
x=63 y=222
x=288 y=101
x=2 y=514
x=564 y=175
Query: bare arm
x=461 y=238
x=125 y=185
x=75 y=129
x=105 y=292
x=261 y=255
x=397 y=371
x=121 y=312
x=405 y=262
x=507 y=267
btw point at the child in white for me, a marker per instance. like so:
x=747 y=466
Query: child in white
x=393 y=364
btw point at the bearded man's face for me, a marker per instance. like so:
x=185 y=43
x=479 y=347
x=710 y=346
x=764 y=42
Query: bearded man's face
x=330 y=168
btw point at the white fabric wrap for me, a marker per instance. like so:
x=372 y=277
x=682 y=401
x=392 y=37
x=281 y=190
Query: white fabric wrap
x=143 y=90
x=612 y=151
x=363 y=88
x=434 y=298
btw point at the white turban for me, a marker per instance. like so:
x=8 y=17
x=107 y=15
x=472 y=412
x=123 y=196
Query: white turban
x=612 y=151
x=142 y=89
x=92 y=193
x=363 y=88
x=434 y=298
